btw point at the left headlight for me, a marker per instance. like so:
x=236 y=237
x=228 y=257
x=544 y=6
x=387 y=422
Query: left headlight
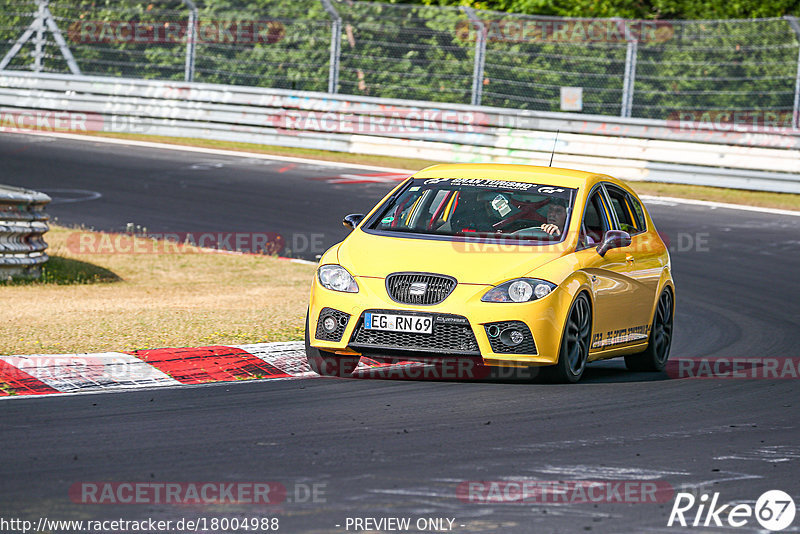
x=519 y=290
x=336 y=278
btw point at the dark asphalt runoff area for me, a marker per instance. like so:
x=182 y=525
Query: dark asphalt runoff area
x=403 y=448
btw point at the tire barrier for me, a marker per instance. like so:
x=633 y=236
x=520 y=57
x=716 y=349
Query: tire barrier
x=23 y=223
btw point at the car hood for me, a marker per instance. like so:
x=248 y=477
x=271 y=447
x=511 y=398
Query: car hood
x=378 y=256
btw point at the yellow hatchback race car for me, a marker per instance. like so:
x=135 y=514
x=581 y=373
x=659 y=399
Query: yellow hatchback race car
x=509 y=265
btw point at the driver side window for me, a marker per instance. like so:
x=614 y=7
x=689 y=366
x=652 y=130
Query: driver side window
x=595 y=223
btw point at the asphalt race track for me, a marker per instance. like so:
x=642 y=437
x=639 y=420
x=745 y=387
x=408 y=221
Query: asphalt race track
x=166 y=192
x=400 y=448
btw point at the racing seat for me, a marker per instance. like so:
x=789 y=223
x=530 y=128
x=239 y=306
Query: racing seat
x=592 y=227
x=471 y=215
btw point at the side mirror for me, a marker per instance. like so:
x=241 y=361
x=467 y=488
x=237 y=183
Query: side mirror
x=613 y=239
x=353 y=220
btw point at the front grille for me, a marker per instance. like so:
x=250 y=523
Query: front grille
x=452 y=334
x=341 y=319
x=495 y=333
x=407 y=288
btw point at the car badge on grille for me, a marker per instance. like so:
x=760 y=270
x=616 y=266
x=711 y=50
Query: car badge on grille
x=418 y=289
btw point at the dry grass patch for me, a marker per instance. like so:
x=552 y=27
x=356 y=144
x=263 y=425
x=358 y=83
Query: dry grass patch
x=112 y=302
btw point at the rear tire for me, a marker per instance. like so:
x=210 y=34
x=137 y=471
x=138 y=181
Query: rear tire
x=655 y=356
x=575 y=341
x=327 y=363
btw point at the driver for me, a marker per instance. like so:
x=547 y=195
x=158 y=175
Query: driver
x=556 y=218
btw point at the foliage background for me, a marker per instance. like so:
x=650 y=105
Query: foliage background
x=426 y=50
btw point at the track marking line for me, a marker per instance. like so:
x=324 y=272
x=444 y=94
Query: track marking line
x=714 y=205
x=323 y=163
x=215 y=151
x=352 y=179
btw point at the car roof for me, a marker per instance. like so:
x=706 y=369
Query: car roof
x=519 y=173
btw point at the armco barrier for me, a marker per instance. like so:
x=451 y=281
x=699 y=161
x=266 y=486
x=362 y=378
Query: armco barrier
x=23 y=223
x=715 y=154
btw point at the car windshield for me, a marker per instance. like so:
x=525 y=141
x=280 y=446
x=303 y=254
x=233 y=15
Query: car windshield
x=477 y=207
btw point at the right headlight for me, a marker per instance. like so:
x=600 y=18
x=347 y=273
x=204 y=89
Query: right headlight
x=336 y=278
x=519 y=290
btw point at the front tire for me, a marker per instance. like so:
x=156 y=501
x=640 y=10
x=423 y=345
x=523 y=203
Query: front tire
x=655 y=356
x=575 y=341
x=326 y=363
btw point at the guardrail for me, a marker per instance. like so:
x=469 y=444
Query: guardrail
x=23 y=223
x=712 y=153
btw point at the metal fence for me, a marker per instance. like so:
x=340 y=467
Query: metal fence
x=705 y=70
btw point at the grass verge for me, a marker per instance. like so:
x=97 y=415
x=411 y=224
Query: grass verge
x=112 y=302
x=717 y=194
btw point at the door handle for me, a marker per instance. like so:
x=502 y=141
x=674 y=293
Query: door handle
x=629 y=258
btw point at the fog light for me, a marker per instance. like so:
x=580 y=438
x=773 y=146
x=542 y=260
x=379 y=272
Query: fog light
x=512 y=337
x=329 y=324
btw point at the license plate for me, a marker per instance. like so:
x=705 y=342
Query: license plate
x=416 y=324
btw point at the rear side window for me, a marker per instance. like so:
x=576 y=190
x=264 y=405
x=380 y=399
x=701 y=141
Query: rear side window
x=638 y=213
x=594 y=224
x=627 y=209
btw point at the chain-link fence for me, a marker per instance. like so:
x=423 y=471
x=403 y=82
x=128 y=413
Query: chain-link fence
x=647 y=69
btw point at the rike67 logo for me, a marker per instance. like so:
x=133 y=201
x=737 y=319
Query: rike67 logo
x=774 y=510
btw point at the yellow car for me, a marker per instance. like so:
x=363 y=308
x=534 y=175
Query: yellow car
x=509 y=265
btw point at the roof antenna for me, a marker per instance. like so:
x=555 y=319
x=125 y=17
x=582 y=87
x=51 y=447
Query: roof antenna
x=552 y=152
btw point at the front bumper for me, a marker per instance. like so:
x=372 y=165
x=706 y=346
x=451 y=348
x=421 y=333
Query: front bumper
x=452 y=335
x=544 y=318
